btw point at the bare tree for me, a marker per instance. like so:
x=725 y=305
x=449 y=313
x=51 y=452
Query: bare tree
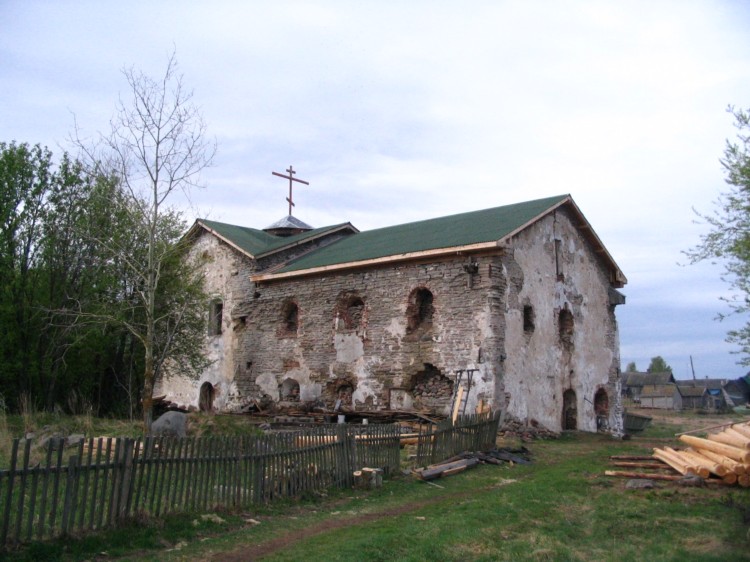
x=156 y=147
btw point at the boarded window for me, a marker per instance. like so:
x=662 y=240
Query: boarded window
x=215 y=317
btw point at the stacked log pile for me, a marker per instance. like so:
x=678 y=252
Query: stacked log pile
x=720 y=458
x=724 y=455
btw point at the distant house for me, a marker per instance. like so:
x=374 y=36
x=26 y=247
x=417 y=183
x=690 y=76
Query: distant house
x=634 y=382
x=693 y=397
x=661 y=396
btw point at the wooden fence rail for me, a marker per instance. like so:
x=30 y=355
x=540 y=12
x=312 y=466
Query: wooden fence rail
x=468 y=433
x=108 y=480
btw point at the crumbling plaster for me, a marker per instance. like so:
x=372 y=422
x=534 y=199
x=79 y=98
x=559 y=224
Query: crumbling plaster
x=225 y=275
x=477 y=323
x=538 y=367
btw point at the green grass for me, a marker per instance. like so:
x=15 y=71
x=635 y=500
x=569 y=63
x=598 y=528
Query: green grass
x=561 y=507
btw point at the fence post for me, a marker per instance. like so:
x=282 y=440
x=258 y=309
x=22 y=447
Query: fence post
x=126 y=479
x=67 y=515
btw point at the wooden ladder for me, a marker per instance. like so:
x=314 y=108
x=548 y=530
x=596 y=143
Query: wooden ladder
x=461 y=389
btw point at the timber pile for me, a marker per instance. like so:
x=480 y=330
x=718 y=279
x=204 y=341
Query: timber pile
x=465 y=460
x=721 y=458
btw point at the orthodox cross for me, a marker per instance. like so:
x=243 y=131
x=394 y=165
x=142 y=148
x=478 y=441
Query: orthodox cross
x=291 y=179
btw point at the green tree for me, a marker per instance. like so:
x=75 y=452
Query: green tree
x=631 y=368
x=157 y=148
x=728 y=239
x=658 y=365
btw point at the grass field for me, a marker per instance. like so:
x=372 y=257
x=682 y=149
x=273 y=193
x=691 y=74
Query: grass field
x=561 y=507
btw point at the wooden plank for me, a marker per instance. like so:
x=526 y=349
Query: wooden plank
x=22 y=490
x=46 y=476
x=9 y=492
x=457 y=403
x=105 y=477
x=68 y=501
x=86 y=478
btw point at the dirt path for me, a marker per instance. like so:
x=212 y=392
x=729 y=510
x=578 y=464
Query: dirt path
x=256 y=551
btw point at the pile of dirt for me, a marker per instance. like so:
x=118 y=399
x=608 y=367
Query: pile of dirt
x=524 y=431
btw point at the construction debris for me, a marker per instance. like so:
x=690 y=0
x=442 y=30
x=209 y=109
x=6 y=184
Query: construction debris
x=461 y=462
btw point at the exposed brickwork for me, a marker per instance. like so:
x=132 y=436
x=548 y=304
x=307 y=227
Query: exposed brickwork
x=393 y=335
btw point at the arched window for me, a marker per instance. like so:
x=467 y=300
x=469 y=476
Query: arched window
x=420 y=309
x=290 y=390
x=206 y=397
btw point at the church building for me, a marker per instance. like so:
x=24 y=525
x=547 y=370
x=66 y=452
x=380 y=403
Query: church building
x=514 y=304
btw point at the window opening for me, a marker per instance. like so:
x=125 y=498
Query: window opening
x=291 y=317
x=565 y=321
x=420 y=309
x=528 y=318
x=601 y=409
x=206 y=397
x=354 y=310
x=290 y=390
x=215 y=315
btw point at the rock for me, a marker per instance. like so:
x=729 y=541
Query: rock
x=171 y=424
x=691 y=480
x=74 y=439
x=639 y=484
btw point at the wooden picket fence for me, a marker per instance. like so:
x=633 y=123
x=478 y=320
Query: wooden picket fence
x=109 y=480
x=448 y=438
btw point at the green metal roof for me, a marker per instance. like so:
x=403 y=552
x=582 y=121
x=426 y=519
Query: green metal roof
x=452 y=231
x=257 y=242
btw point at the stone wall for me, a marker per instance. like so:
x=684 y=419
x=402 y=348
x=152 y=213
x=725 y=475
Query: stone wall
x=391 y=340
x=532 y=317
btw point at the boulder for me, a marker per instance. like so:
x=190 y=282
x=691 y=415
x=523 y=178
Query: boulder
x=170 y=424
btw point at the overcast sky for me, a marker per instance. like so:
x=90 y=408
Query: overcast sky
x=400 y=111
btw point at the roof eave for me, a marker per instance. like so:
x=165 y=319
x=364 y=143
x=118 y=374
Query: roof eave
x=222 y=238
x=376 y=261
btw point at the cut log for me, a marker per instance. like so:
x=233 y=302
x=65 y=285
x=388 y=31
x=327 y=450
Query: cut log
x=654 y=465
x=697 y=466
x=712 y=466
x=742 y=428
x=625 y=474
x=729 y=478
x=631 y=457
x=678 y=464
x=436 y=471
x=730 y=439
x=736 y=467
x=726 y=450
x=743 y=480
x=741 y=437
